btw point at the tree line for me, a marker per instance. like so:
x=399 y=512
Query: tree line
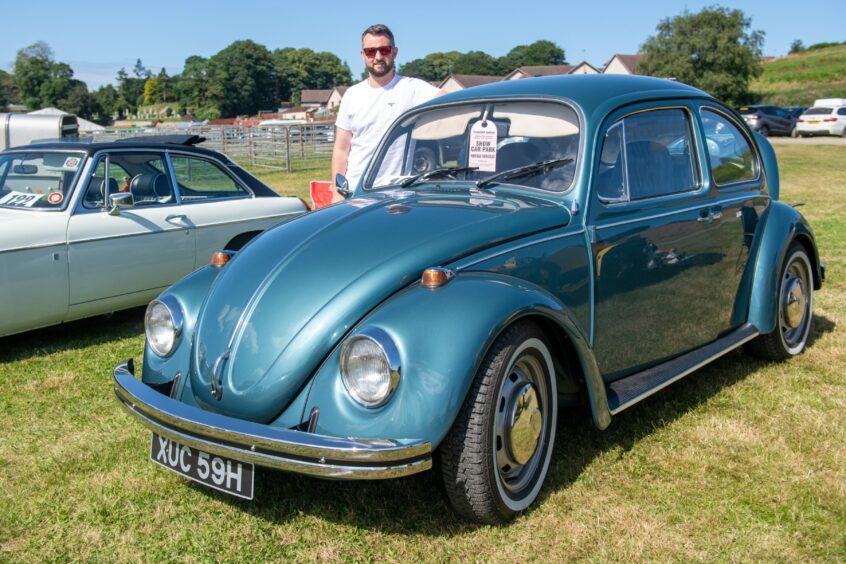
x=713 y=49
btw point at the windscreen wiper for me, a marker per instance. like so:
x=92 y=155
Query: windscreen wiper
x=447 y=171
x=526 y=170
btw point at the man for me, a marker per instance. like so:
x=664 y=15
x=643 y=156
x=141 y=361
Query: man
x=369 y=107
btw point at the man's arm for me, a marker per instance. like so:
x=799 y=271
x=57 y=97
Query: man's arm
x=340 y=155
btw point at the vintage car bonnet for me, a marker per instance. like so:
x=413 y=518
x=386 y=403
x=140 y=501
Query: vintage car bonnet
x=284 y=302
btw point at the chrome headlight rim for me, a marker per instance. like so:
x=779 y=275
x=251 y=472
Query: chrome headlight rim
x=177 y=319
x=388 y=348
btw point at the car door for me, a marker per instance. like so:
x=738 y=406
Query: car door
x=664 y=279
x=123 y=259
x=217 y=204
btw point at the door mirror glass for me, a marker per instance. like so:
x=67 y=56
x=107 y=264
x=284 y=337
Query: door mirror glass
x=343 y=185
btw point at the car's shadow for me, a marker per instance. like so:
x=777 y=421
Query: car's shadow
x=419 y=505
x=73 y=335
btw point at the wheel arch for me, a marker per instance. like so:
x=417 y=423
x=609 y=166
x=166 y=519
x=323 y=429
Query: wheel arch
x=238 y=241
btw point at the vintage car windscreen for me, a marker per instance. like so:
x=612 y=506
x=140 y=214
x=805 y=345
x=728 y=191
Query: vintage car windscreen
x=490 y=137
x=38 y=180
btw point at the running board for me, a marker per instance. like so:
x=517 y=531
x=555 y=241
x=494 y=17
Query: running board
x=628 y=391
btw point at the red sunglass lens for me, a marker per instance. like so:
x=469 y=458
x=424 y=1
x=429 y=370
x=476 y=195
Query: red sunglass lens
x=384 y=51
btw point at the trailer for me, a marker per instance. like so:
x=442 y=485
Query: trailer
x=23 y=129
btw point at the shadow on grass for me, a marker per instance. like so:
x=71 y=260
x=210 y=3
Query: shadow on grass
x=72 y=335
x=418 y=504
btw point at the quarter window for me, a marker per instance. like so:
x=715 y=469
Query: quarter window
x=200 y=179
x=729 y=152
x=646 y=155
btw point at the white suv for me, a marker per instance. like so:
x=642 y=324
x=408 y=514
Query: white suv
x=826 y=117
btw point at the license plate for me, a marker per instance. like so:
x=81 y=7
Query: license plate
x=814 y=122
x=224 y=474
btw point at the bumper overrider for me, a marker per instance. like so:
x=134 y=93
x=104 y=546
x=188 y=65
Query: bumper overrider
x=284 y=449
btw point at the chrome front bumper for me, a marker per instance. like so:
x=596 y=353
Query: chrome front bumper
x=295 y=451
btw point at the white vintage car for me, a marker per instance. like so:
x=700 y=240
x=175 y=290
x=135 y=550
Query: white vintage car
x=91 y=228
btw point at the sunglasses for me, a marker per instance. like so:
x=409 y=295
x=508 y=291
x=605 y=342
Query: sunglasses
x=384 y=50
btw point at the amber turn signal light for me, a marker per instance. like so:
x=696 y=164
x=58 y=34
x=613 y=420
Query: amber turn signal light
x=436 y=277
x=220 y=258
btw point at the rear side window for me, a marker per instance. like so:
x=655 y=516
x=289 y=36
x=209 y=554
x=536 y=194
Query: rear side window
x=841 y=112
x=646 y=155
x=200 y=179
x=729 y=152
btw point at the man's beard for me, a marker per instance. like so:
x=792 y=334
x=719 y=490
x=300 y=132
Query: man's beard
x=389 y=66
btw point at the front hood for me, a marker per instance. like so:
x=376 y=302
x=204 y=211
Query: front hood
x=281 y=305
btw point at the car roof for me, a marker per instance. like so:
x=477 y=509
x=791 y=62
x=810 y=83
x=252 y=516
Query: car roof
x=160 y=142
x=589 y=91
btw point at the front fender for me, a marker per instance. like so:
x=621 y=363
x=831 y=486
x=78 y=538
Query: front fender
x=442 y=336
x=783 y=225
x=190 y=292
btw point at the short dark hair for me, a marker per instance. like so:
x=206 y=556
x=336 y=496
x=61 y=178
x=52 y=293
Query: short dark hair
x=379 y=29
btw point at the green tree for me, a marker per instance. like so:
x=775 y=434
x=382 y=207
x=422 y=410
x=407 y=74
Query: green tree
x=130 y=92
x=34 y=66
x=712 y=49
x=541 y=52
x=164 y=87
x=433 y=67
x=193 y=85
x=796 y=46
x=140 y=71
x=5 y=90
x=242 y=79
x=476 y=62
x=151 y=91
x=107 y=102
x=299 y=69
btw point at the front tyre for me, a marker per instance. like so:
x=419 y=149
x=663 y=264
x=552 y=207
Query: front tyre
x=496 y=455
x=795 y=309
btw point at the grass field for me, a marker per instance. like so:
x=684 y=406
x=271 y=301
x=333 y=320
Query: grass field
x=797 y=80
x=742 y=461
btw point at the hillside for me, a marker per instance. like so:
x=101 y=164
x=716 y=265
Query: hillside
x=797 y=80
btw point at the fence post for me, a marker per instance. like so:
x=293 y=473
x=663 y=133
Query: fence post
x=288 y=148
x=252 y=148
x=223 y=138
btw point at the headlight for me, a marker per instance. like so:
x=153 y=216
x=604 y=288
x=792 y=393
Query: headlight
x=370 y=367
x=163 y=325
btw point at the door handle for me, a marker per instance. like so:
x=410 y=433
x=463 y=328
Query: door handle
x=173 y=218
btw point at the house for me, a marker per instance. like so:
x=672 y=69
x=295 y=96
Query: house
x=539 y=70
x=622 y=64
x=335 y=98
x=315 y=98
x=455 y=82
x=584 y=68
x=299 y=113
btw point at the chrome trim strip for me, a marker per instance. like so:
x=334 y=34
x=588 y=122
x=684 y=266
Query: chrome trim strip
x=684 y=373
x=34 y=247
x=520 y=246
x=295 y=451
x=245 y=220
x=126 y=235
x=709 y=204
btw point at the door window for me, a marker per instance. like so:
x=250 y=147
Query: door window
x=200 y=179
x=729 y=152
x=137 y=173
x=647 y=154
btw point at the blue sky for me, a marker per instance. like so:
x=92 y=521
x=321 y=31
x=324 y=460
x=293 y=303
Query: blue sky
x=97 y=37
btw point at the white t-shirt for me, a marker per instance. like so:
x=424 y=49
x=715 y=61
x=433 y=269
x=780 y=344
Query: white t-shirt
x=367 y=112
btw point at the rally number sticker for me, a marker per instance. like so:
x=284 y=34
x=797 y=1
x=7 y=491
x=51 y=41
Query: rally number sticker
x=20 y=199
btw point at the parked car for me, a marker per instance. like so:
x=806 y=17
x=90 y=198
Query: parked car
x=769 y=119
x=826 y=117
x=73 y=244
x=596 y=239
x=795 y=111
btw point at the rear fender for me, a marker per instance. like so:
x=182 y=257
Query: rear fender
x=783 y=225
x=442 y=336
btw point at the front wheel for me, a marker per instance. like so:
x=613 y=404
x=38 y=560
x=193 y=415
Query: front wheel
x=496 y=455
x=795 y=309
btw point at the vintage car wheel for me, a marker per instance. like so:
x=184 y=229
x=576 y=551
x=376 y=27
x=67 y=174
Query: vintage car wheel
x=424 y=160
x=795 y=309
x=496 y=455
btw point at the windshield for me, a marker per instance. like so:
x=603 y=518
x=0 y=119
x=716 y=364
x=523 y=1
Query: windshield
x=818 y=111
x=37 y=180
x=472 y=142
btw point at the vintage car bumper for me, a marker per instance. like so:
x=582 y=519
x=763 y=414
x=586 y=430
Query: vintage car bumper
x=284 y=449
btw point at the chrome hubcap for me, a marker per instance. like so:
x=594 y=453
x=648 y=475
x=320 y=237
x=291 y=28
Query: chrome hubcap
x=525 y=422
x=795 y=315
x=519 y=422
x=794 y=306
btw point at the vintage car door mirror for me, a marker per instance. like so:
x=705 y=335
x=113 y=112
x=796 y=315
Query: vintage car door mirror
x=120 y=200
x=343 y=185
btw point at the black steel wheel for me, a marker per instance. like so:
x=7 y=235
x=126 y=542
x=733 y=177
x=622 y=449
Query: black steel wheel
x=795 y=309
x=496 y=456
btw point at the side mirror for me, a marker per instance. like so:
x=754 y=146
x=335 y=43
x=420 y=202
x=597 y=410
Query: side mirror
x=120 y=200
x=342 y=185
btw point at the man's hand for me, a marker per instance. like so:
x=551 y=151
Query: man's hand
x=340 y=156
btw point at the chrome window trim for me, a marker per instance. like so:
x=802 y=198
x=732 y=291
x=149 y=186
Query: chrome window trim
x=222 y=165
x=370 y=171
x=106 y=154
x=759 y=168
x=34 y=247
x=693 y=129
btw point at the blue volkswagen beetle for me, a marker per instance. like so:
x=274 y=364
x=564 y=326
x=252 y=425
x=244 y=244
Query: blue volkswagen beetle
x=567 y=240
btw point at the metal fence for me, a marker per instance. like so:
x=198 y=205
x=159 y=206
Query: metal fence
x=276 y=147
